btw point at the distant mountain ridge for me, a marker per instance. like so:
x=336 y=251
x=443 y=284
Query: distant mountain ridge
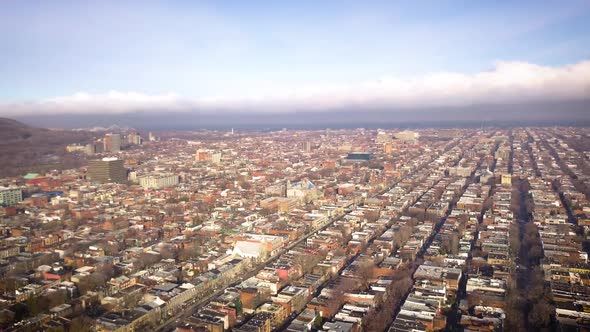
x=24 y=148
x=523 y=114
x=12 y=130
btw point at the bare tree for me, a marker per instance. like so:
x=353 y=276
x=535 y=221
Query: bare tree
x=81 y=324
x=364 y=271
x=306 y=262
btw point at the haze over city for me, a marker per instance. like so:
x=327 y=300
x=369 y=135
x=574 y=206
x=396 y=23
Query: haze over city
x=294 y=166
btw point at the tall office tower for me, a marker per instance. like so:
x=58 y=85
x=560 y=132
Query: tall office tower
x=107 y=141
x=89 y=149
x=134 y=139
x=112 y=142
x=98 y=147
x=107 y=170
x=307 y=146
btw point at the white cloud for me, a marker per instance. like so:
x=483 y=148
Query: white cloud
x=507 y=82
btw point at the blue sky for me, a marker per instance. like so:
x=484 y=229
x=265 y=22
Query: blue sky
x=235 y=48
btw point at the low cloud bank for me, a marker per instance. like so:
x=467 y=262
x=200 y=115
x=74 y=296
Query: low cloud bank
x=507 y=82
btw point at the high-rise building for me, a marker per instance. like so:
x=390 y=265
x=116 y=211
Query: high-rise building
x=112 y=142
x=158 y=181
x=10 y=196
x=107 y=170
x=94 y=147
x=134 y=139
x=98 y=148
x=89 y=149
x=208 y=155
x=307 y=146
x=216 y=158
x=407 y=136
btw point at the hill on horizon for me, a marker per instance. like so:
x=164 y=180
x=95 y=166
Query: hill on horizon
x=518 y=114
x=29 y=149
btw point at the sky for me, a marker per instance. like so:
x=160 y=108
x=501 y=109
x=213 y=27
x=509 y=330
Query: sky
x=120 y=56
